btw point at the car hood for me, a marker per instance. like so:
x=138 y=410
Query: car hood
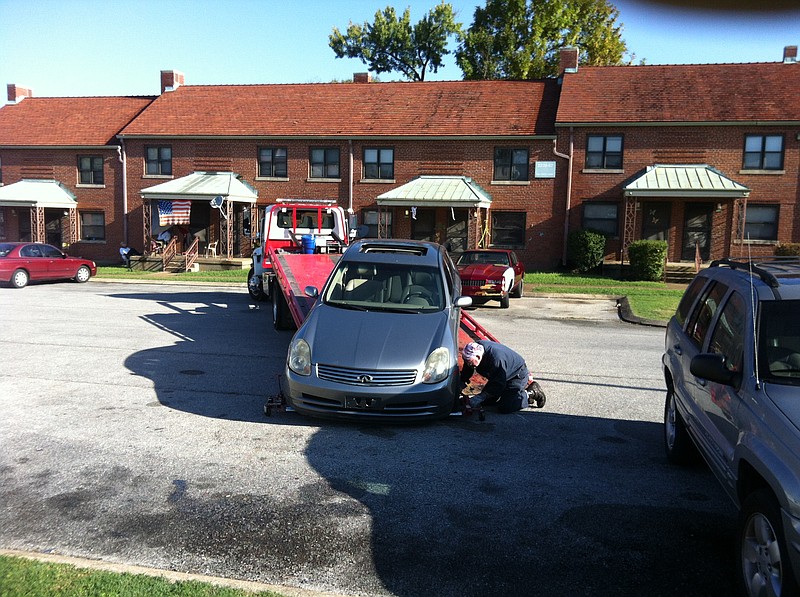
x=482 y=270
x=374 y=339
x=787 y=399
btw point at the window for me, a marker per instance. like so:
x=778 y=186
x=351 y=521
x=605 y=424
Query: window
x=379 y=163
x=272 y=162
x=704 y=314
x=604 y=152
x=601 y=217
x=692 y=292
x=508 y=229
x=324 y=162
x=728 y=334
x=763 y=152
x=93 y=226
x=158 y=161
x=510 y=164
x=90 y=170
x=761 y=222
x=371 y=222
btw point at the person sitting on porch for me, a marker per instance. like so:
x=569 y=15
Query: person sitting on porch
x=126 y=252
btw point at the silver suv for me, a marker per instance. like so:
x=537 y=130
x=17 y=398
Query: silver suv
x=732 y=368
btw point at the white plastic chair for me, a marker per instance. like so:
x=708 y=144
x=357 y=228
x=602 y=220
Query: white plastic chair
x=211 y=249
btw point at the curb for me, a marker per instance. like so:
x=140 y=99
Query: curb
x=626 y=315
x=168 y=575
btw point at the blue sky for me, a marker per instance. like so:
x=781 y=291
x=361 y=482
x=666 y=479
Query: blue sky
x=103 y=47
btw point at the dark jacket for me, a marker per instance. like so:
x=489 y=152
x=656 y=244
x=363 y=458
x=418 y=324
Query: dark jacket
x=499 y=365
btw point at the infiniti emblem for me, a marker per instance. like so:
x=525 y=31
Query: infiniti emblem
x=364 y=378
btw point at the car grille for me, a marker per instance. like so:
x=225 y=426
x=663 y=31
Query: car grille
x=366 y=377
x=473 y=282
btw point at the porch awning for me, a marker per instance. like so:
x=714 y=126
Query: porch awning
x=37 y=193
x=697 y=180
x=204 y=186
x=437 y=191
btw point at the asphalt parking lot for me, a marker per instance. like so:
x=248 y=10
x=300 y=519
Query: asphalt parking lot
x=133 y=432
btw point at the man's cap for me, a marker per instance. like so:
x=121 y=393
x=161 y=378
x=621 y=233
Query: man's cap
x=472 y=350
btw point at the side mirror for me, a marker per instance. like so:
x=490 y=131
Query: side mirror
x=711 y=366
x=311 y=291
x=464 y=301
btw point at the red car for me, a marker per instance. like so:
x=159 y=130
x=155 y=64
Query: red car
x=491 y=274
x=21 y=263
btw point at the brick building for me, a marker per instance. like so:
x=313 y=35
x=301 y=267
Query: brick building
x=704 y=156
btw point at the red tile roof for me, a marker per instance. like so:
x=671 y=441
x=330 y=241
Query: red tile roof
x=67 y=121
x=681 y=93
x=452 y=108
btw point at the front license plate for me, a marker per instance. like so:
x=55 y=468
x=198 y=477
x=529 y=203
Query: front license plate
x=361 y=402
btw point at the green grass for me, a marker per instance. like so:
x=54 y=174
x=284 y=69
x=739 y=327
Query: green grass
x=30 y=578
x=120 y=272
x=650 y=300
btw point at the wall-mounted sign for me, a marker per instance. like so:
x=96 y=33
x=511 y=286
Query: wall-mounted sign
x=544 y=170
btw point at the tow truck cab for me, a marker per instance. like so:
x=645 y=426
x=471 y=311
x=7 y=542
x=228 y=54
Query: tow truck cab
x=295 y=226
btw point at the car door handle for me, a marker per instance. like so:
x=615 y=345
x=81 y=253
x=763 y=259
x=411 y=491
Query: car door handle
x=677 y=349
x=700 y=381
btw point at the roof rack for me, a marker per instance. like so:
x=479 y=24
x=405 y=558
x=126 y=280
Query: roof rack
x=768 y=268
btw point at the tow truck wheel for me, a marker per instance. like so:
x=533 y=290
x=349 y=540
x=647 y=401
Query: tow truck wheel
x=255 y=288
x=281 y=317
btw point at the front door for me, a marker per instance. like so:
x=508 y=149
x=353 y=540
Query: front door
x=52 y=227
x=456 y=239
x=656 y=221
x=697 y=230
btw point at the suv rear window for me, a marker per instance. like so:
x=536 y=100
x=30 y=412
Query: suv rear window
x=779 y=341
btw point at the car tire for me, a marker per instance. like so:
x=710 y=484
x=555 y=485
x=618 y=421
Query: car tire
x=83 y=274
x=255 y=288
x=281 y=316
x=505 y=301
x=519 y=290
x=677 y=443
x=20 y=278
x=763 y=557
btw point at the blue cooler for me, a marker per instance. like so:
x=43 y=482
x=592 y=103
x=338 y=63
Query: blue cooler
x=309 y=243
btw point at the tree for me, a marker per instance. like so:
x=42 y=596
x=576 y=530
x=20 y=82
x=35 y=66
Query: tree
x=521 y=39
x=392 y=44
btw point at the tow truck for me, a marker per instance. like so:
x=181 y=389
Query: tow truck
x=315 y=226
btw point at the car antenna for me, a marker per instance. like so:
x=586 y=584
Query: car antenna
x=753 y=307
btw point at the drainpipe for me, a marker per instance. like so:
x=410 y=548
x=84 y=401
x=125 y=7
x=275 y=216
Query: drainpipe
x=121 y=157
x=567 y=157
x=350 y=211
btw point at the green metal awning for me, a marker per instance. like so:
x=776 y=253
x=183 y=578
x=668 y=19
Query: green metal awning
x=697 y=180
x=204 y=186
x=37 y=193
x=437 y=191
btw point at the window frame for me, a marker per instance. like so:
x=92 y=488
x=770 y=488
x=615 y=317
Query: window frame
x=762 y=154
x=326 y=163
x=504 y=167
x=159 y=161
x=599 y=229
x=379 y=164
x=513 y=230
x=92 y=171
x=274 y=163
x=605 y=154
x=101 y=226
x=386 y=222
x=748 y=224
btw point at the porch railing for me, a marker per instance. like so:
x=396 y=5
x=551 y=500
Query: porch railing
x=192 y=253
x=169 y=252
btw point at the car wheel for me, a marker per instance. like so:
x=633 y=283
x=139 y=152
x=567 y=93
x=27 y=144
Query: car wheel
x=764 y=564
x=505 y=301
x=20 y=279
x=519 y=290
x=83 y=274
x=677 y=443
x=281 y=316
x=255 y=287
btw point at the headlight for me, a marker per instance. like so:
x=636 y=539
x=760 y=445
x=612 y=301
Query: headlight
x=437 y=366
x=300 y=357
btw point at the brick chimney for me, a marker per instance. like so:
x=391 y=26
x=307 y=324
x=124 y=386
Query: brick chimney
x=16 y=93
x=171 y=80
x=789 y=54
x=362 y=78
x=568 y=60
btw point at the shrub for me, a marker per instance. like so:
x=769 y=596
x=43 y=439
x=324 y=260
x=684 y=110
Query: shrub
x=792 y=249
x=585 y=250
x=647 y=259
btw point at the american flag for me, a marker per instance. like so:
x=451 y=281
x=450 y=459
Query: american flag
x=174 y=212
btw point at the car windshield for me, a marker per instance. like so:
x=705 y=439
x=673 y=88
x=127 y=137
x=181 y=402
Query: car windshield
x=485 y=257
x=779 y=342
x=5 y=249
x=385 y=287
